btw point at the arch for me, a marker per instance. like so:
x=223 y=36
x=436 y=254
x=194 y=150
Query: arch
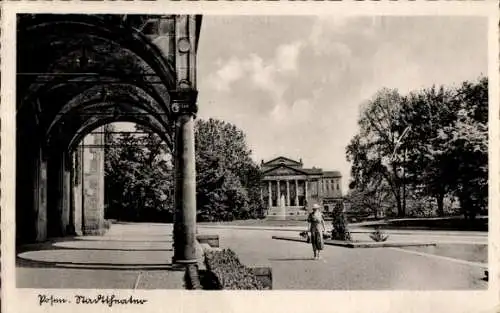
x=57 y=94
x=74 y=125
x=91 y=125
x=80 y=32
x=112 y=32
x=116 y=93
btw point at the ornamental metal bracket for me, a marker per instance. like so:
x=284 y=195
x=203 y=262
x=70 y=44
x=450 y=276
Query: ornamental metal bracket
x=184 y=102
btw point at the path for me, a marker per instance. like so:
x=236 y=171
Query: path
x=129 y=256
x=360 y=233
x=347 y=269
x=138 y=256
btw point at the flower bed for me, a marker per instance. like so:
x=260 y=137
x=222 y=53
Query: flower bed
x=225 y=271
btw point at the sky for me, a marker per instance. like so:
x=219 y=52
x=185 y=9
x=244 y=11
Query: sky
x=294 y=84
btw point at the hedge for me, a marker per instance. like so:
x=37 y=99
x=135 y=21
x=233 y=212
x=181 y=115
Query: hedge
x=227 y=272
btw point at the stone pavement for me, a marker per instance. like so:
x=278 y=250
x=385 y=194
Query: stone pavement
x=348 y=269
x=129 y=256
x=360 y=233
x=138 y=256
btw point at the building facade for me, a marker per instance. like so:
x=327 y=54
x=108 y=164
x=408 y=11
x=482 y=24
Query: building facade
x=289 y=190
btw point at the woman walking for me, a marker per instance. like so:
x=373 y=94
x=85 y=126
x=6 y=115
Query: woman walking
x=316 y=227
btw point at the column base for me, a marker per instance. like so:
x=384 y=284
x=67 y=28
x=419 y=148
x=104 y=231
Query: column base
x=181 y=265
x=72 y=231
x=192 y=261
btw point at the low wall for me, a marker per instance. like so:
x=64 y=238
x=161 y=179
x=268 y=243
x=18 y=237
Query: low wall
x=211 y=240
x=235 y=276
x=264 y=275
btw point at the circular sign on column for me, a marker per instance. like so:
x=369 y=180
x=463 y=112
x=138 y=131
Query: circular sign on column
x=184 y=45
x=175 y=107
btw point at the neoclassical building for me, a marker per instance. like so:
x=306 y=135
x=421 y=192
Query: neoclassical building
x=290 y=190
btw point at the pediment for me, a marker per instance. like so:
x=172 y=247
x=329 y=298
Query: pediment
x=282 y=161
x=283 y=171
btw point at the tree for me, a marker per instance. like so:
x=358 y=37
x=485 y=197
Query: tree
x=429 y=167
x=431 y=143
x=373 y=150
x=375 y=199
x=139 y=184
x=449 y=140
x=468 y=147
x=228 y=181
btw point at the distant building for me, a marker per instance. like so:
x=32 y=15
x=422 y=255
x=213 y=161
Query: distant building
x=289 y=190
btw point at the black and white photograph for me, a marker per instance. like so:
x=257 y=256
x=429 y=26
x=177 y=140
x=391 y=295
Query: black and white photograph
x=249 y=152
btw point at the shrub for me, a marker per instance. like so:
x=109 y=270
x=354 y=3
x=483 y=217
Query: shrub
x=305 y=235
x=228 y=273
x=378 y=235
x=340 y=231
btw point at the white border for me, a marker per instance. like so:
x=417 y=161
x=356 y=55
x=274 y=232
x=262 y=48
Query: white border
x=24 y=300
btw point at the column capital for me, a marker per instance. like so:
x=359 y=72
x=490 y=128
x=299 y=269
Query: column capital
x=183 y=101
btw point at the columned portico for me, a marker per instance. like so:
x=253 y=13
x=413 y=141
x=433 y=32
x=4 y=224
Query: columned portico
x=72 y=90
x=296 y=188
x=294 y=198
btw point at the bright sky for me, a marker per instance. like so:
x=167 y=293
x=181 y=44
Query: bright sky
x=294 y=84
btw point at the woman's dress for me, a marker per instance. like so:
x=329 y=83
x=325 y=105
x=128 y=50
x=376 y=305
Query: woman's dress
x=316 y=231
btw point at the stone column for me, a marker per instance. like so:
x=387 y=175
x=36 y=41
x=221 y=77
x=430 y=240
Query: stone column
x=40 y=197
x=55 y=201
x=66 y=205
x=183 y=108
x=288 y=193
x=185 y=187
x=77 y=191
x=296 y=192
x=278 y=194
x=93 y=184
x=305 y=191
x=269 y=196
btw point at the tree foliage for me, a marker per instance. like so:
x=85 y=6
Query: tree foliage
x=140 y=177
x=228 y=180
x=429 y=143
x=373 y=151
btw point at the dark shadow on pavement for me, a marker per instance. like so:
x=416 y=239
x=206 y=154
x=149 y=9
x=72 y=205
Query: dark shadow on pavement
x=54 y=247
x=293 y=259
x=111 y=249
x=95 y=266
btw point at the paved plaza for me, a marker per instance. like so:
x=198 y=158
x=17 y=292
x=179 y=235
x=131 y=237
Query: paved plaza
x=138 y=256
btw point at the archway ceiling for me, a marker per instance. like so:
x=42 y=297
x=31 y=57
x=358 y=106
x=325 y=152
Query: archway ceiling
x=104 y=59
x=114 y=93
x=70 y=131
x=100 y=62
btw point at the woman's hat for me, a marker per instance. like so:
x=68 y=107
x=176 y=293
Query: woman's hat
x=315 y=206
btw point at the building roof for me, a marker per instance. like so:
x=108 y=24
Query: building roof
x=313 y=170
x=284 y=162
x=332 y=174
